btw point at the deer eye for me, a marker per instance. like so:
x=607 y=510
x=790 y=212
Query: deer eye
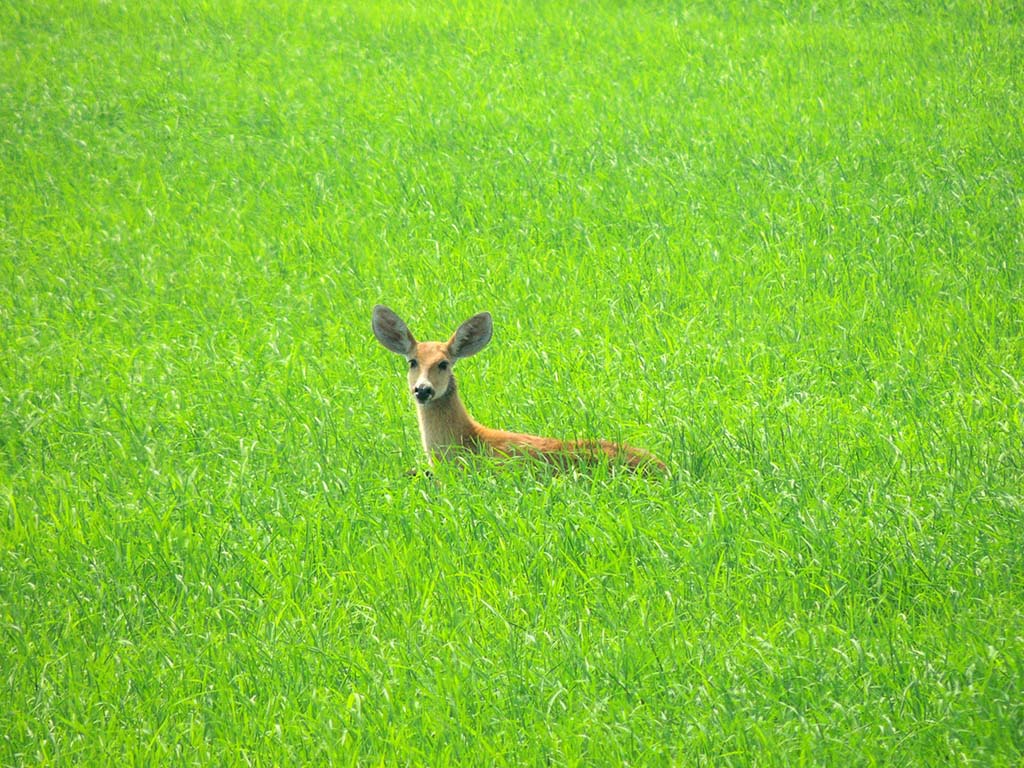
x=413 y=363
x=443 y=365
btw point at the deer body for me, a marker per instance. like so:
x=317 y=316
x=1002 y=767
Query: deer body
x=446 y=428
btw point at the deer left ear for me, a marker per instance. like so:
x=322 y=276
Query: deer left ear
x=471 y=336
x=391 y=331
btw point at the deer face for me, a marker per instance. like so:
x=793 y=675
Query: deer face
x=430 y=362
x=430 y=371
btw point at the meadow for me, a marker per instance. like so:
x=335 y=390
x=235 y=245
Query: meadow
x=779 y=243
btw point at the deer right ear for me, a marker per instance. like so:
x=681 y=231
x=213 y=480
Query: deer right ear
x=471 y=336
x=391 y=331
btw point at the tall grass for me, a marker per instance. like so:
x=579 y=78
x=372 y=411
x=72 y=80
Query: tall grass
x=779 y=244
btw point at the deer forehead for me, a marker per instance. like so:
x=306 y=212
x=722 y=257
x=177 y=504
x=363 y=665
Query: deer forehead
x=429 y=353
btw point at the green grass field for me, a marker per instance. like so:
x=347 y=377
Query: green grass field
x=779 y=244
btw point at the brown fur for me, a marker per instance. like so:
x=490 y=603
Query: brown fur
x=446 y=428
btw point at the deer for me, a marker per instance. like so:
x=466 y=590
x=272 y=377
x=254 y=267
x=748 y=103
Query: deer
x=447 y=430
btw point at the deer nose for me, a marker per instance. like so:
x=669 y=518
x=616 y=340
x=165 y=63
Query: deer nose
x=423 y=392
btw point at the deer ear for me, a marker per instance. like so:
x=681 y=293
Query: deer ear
x=391 y=331
x=471 y=336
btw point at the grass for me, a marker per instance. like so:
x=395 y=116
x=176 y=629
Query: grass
x=779 y=244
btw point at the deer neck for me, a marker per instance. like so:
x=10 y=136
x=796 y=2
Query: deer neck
x=445 y=423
